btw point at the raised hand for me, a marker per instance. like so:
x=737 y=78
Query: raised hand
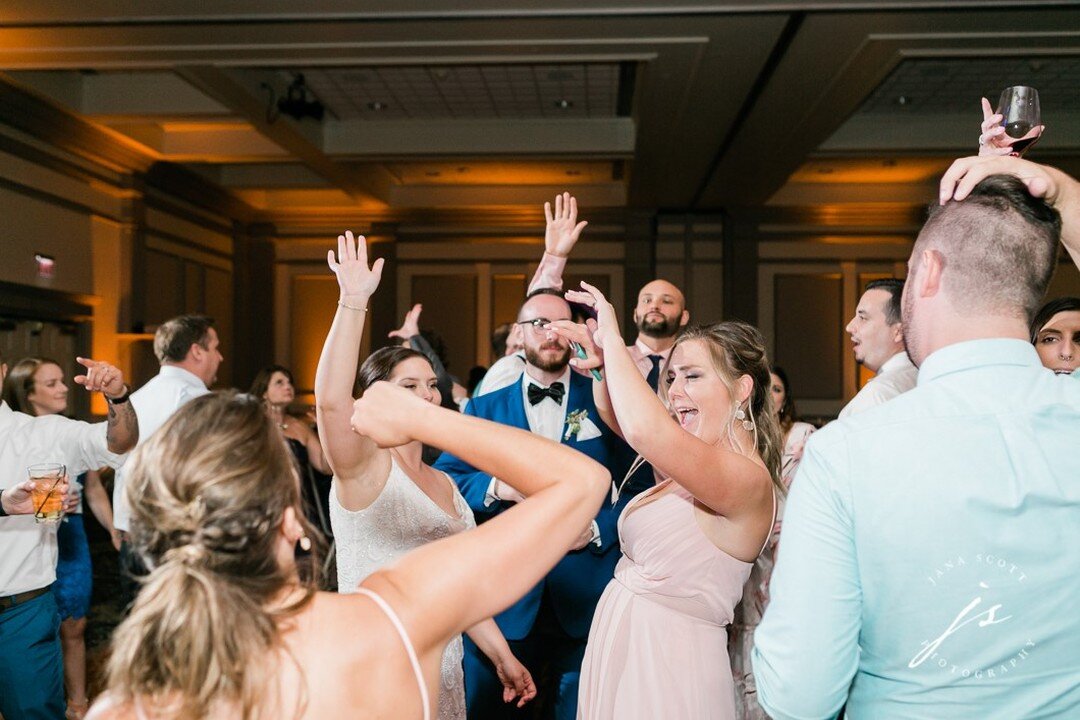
x=516 y=680
x=993 y=141
x=410 y=326
x=607 y=325
x=581 y=335
x=965 y=173
x=563 y=229
x=355 y=278
x=101 y=376
x=385 y=413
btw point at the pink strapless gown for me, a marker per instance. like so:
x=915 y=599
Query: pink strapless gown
x=658 y=643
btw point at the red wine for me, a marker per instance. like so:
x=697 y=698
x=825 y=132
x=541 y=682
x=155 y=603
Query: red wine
x=1021 y=146
x=1018 y=128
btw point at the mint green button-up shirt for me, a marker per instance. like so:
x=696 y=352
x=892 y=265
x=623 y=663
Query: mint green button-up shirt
x=929 y=565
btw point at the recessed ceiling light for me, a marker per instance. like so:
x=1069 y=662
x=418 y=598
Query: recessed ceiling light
x=903 y=100
x=563 y=103
x=376 y=105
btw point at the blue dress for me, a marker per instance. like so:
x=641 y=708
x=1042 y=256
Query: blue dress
x=74 y=575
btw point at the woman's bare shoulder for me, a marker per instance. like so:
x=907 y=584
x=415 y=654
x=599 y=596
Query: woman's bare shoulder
x=351 y=621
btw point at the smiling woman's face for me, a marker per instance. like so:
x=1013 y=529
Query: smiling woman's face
x=49 y=396
x=1058 y=342
x=698 y=397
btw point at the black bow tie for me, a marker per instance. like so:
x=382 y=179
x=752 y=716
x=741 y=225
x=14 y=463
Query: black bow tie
x=555 y=392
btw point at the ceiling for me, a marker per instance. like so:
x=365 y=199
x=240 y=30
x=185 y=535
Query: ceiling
x=500 y=104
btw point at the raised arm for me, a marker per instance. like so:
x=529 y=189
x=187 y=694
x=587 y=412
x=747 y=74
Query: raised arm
x=992 y=140
x=584 y=335
x=450 y=585
x=348 y=454
x=729 y=483
x=1051 y=184
x=122 y=429
x=409 y=332
x=560 y=236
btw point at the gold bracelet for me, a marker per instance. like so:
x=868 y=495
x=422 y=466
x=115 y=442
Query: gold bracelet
x=351 y=307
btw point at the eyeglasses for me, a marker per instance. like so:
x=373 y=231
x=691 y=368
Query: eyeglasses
x=536 y=324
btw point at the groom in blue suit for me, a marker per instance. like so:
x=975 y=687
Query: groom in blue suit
x=548 y=627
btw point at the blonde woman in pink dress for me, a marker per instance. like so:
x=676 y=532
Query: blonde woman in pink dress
x=658 y=643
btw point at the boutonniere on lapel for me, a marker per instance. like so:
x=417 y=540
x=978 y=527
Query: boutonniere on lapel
x=574 y=422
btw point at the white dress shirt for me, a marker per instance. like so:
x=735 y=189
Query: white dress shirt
x=640 y=352
x=154 y=403
x=28 y=548
x=897 y=375
x=503 y=372
x=547 y=417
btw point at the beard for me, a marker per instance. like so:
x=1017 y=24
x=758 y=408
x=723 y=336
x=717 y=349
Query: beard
x=548 y=364
x=910 y=330
x=668 y=327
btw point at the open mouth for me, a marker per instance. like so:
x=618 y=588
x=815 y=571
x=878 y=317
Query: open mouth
x=1063 y=371
x=686 y=415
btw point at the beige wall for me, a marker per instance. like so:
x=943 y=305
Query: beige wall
x=89 y=219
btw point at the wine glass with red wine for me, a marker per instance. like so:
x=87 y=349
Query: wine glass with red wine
x=1019 y=108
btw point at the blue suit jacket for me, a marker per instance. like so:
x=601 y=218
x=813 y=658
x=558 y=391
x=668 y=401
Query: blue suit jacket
x=576 y=582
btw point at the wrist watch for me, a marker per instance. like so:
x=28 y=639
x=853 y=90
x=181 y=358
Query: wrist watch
x=119 y=400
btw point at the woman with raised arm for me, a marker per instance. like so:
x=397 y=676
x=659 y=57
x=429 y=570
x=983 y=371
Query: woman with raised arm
x=225 y=628
x=658 y=643
x=387 y=501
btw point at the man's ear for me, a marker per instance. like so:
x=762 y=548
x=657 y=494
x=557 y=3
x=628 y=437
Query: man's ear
x=3 y=371
x=898 y=333
x=930 y=270
x=684 y=318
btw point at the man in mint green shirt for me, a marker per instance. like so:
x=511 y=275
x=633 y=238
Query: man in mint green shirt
x=929 y=565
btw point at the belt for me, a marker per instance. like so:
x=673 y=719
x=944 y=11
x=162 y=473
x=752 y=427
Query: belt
x=9 y=601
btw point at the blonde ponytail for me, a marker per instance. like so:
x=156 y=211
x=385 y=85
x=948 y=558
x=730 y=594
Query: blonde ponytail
x=208 y=494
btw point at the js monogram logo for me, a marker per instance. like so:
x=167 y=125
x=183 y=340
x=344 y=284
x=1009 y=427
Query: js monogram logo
x=989 y=617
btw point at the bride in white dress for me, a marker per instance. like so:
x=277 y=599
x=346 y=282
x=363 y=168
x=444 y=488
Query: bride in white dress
x=386 y=502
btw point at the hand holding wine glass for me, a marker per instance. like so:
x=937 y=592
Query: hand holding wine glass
x=1015 y=126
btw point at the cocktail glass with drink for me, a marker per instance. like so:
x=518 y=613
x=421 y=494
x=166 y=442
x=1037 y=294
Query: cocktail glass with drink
x=47 y=493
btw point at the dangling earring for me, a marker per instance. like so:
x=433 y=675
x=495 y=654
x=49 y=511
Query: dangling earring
x=747 y=424
x=305 y=543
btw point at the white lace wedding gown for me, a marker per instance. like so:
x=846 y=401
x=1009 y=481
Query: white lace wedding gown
x=400 y=519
